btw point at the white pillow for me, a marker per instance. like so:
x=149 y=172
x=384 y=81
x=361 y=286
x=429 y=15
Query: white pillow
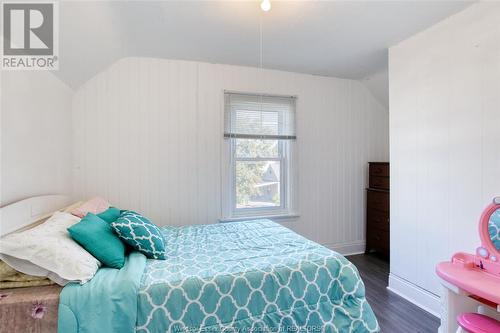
x=48 y=250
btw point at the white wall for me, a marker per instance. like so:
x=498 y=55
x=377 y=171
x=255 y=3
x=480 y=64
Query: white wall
x=148 y=136
x=445 y=143
x=378 y=84
x=35 y=141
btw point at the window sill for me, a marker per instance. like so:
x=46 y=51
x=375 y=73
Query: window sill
x=278 y=217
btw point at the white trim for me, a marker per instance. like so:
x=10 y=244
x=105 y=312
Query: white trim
x=414 y=294
x=270 y=217
x=348 y=248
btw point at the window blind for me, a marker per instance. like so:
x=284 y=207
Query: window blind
x=250 y=116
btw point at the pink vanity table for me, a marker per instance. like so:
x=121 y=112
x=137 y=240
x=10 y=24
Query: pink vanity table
x=471 y=282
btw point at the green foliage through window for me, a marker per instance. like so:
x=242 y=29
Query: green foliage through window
x=257 y=179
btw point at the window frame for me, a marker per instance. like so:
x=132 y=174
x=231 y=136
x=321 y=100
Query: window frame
x=283 y=147
x=288 y=208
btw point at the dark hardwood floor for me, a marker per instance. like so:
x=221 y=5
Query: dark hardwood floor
x=394 y=313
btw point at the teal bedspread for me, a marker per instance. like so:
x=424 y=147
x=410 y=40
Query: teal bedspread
x=107 y=303
x=252 y=276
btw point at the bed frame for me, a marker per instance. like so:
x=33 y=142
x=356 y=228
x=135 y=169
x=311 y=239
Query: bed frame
x=25 y=213
x=17 y=306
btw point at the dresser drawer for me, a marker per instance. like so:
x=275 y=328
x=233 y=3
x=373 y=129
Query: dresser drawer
x=379 y=169
x=377 y=200
x=379 y=182
x=377 y=219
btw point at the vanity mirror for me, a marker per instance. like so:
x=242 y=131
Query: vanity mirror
x=489 y=231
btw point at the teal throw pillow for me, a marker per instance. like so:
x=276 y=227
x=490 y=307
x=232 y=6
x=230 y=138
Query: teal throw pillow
x=141 y=234
x=110 y=215
x=97 y=237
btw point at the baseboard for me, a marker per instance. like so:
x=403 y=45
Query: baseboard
x=413 y=293
x=349 y=248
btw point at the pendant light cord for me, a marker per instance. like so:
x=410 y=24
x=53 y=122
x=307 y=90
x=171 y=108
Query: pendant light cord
x=261 y=60
x=261 y=57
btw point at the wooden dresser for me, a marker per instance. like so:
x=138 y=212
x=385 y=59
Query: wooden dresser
x=377 y=209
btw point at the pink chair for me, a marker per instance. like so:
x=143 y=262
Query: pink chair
x=477 y=323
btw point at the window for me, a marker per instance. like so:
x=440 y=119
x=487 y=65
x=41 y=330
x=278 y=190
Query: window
x=259 y=142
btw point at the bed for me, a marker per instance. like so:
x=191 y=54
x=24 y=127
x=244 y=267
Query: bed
x=245 y=276
x=242 y=276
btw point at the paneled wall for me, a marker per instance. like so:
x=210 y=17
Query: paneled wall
x=445 y=144
x=35 y=129
x=148 y=135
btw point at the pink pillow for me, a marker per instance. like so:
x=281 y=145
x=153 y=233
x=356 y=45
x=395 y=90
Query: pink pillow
x=95 y=206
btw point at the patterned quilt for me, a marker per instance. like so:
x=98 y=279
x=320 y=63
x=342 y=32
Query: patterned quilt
x=252 y=276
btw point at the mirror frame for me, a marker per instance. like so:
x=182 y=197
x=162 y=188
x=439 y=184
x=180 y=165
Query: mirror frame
x=486 y=242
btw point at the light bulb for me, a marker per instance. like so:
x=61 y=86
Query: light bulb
x=265 y=5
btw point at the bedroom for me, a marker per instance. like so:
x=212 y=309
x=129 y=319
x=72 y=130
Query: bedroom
x=193 y=119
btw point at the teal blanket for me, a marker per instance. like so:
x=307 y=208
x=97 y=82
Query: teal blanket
x=108 y=303
x=252 y=276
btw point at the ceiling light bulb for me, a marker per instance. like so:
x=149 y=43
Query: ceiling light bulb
x=265 y=5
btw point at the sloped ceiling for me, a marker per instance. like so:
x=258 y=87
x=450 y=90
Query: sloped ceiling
x=341 y=39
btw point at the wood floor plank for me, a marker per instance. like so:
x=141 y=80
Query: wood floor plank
x=394 y=313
